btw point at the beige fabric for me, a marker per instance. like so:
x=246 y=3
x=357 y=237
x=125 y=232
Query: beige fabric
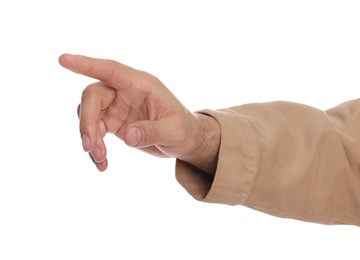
x=285 y=159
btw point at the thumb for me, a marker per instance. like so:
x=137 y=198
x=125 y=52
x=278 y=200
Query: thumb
x=147 y=133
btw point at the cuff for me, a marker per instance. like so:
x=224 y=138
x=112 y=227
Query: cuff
x=236 y=166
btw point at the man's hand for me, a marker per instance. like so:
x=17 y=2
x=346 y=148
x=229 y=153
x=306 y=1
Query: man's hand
x=141 y=111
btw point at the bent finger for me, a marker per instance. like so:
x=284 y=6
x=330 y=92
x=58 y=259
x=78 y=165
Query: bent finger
x=100 y=166
x=99 y=151
x=95 y=98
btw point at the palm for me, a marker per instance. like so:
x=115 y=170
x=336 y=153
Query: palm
x=139 y=103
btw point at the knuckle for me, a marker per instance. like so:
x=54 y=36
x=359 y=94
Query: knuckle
x=91 y=91
x=111 y=62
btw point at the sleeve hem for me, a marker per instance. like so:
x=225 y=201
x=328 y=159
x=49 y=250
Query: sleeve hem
x=236 y=166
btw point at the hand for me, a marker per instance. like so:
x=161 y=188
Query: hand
x=141 y=111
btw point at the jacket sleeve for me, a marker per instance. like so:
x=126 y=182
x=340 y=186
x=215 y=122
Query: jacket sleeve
x=285 y=159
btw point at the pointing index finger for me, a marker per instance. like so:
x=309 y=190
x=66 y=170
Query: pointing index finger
x=112 y=73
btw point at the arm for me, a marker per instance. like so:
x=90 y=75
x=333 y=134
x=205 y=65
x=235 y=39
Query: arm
x=281 y=158
x=286 y=159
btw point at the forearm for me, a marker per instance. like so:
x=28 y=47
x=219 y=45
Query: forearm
x=285 y=159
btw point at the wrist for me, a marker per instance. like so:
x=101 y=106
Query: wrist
x=205 y=143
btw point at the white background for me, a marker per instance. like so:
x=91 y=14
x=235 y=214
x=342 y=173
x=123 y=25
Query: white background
x=211 y=54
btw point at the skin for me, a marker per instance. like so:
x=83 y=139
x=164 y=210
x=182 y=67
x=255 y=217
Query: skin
x=139 y=109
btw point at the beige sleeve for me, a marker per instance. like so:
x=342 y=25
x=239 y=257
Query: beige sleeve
x=285 y=159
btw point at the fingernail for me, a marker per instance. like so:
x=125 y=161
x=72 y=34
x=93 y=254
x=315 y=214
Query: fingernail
x=96 y=153
x=134 y=136
x=86 y=142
